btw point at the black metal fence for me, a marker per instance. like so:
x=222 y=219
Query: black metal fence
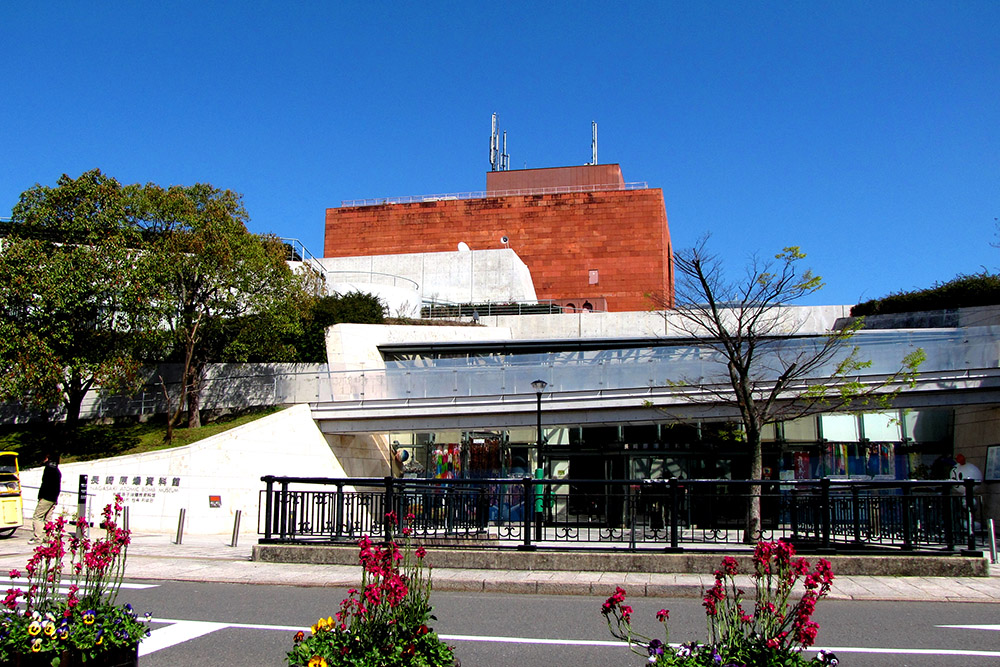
x=827 y=514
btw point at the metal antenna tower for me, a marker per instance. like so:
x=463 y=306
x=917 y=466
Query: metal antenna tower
x=493 y=144
x=499 y=160
x=593 y=142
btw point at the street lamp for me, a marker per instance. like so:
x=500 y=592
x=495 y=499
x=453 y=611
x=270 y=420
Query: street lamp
x=539 y=386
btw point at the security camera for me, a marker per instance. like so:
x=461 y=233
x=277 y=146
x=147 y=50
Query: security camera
x=503 y=239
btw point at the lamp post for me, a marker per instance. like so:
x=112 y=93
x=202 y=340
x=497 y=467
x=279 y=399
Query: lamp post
x=539 y=386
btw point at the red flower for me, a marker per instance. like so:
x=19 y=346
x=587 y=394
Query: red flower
x=662 y=615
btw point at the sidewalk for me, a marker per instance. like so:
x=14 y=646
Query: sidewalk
x=210 y=559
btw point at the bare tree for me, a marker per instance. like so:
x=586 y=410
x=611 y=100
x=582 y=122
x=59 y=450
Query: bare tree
x=771 y=375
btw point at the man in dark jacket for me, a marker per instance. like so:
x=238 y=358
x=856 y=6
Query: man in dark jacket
x=48 y=496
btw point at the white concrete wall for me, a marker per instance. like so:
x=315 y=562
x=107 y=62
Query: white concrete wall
x=228 y=465
x=474 y=276
x=354 y=347
x=639 y=324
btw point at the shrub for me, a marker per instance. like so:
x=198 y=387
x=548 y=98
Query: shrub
x=384 y=622
x=774 y=633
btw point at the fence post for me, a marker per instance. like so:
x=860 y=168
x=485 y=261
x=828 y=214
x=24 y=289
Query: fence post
x=674 y=519
x=970 y=500
x=825 y=510
x=527 y=506
x=949 y=515
x=389 y=505
x=268 y=506
x=340 y=509
x=283 y=511
x=907 y=518
x=793 y=512
x=856 y=512
x=630 y=516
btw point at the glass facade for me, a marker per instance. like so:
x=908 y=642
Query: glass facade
x=865 y=446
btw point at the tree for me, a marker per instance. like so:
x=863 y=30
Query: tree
x=213 y=274
x=770 y=377
x=76 y=308
x=356 y=307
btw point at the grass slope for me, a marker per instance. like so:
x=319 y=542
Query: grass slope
x=96 y=441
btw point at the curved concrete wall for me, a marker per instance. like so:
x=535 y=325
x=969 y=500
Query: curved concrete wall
x=157 y=485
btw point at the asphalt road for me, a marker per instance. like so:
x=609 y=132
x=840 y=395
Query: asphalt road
x=253 y=625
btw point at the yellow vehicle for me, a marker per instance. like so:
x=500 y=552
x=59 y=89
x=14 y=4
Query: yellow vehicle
x=11 y=508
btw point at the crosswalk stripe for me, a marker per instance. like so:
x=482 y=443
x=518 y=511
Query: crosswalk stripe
x=22 y=582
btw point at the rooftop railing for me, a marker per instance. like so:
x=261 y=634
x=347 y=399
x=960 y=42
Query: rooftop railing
x=483 y=194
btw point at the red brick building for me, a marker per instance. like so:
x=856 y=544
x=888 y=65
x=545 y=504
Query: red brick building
x=585 y=236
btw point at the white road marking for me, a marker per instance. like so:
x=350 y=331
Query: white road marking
x=177 y=633
x=195 y=629
x=22 y=582
x=531 y=640
x=908 y=651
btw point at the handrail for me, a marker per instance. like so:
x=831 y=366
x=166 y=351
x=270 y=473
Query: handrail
x=483 y=194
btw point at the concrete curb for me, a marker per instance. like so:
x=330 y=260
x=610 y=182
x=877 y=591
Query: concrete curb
x=895 y=565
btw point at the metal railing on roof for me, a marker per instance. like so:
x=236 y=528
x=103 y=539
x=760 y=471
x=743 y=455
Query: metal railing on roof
x=483 y=194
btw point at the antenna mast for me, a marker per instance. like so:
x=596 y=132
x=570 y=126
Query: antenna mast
x=499 y=160
x=493 y=144
x=593 y=141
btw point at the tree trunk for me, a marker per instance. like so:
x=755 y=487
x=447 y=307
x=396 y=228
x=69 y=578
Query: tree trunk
x=76 y=390
x=194 y=416
x=753 y=529
x=169 y=437
x=193 y=383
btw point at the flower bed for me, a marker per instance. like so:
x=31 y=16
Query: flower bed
x=384 y=622
x=774 y=634
x=40 y=626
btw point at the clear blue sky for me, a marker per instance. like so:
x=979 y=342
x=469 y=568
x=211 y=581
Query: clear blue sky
x=868 y=133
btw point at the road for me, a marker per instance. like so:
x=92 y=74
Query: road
x=210 y=624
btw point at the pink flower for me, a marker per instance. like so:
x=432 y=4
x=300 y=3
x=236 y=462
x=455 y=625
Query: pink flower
x=662 y=615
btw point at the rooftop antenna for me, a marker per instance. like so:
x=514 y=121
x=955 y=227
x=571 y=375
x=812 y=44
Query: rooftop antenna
x=493 y=144
x=499 y=160
x=593 y=141
x=504 y=157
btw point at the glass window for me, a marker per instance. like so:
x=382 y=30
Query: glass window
x=843 y=428
x=800 y=430
x=881 y=426
x=928 y=425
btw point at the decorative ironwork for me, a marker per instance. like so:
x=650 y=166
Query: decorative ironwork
x=913 y=516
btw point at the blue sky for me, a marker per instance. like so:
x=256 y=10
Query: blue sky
x=868 y=133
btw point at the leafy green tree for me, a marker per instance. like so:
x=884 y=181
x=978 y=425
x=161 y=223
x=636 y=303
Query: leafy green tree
x=76 y=306
x=214 y=275
x=767 y=377
x=355 y=307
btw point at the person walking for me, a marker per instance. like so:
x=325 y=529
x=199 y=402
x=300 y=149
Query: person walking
x=48 y=496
